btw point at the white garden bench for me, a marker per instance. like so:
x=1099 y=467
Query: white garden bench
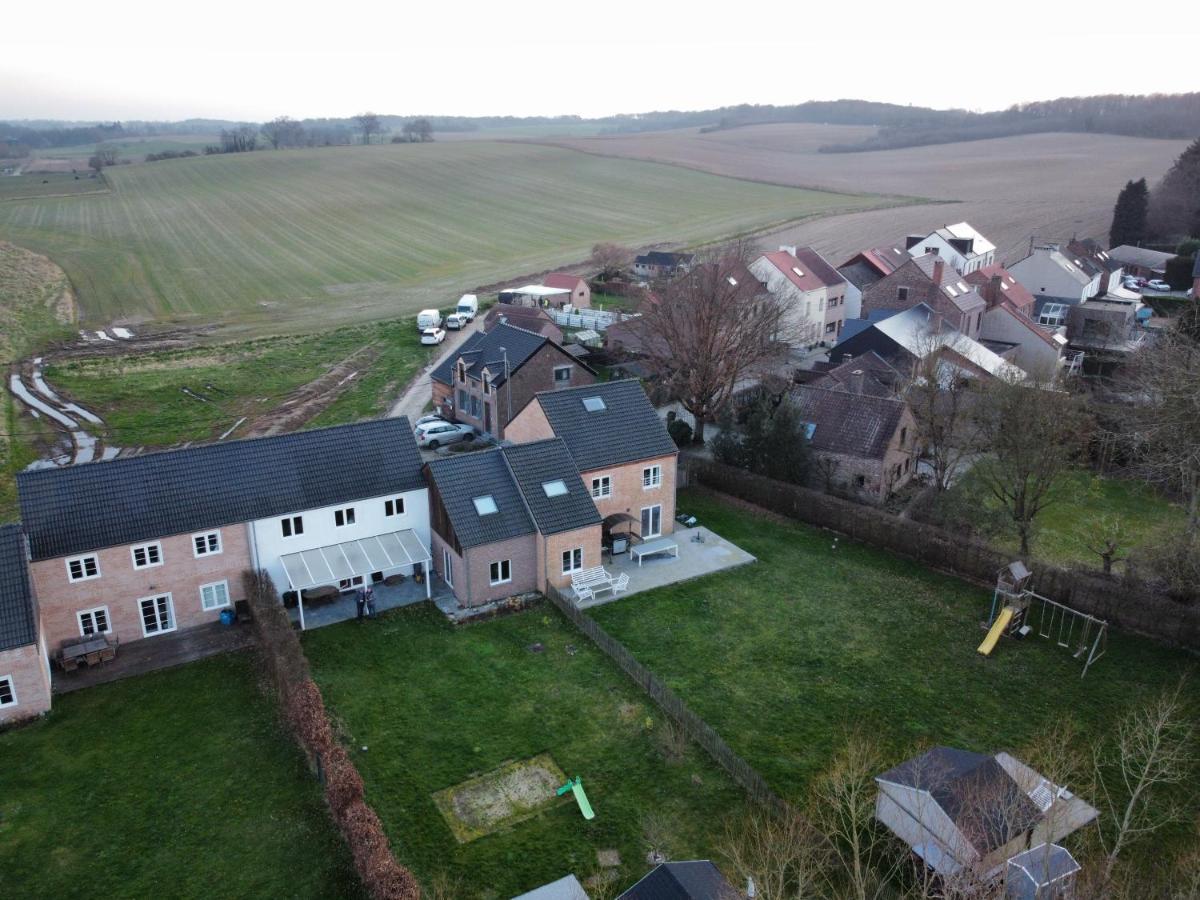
x=587 y=582
x=654 y=548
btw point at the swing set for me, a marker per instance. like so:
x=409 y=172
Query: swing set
x=1018 y=612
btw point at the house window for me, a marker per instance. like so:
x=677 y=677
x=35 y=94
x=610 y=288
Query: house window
x=8 y=691
x=651 y=521
x=93 y=621
x=349 y=584
x=901 y=293
x=501 y=572
x=1053 y=314
x=206 y=544
x=447 y=567
x=487 y=383
x=393 y=507
x=463 y=400
x=903 y=435
x=555 y=488
x=158 y=614
x=602 y=487
x=81 y=568
x=343 y=517
x=562 y=374
x=572 y=560
x=485 y=505
x=215 y=595
x=831 y=328
x=462 y=371
x=651 y=477
x=146 y=556
x=293 y=525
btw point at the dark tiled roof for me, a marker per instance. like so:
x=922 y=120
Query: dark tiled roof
x=973 y=789
x=626 y=430
x=18 y=625
x=659 y=258
x=850 y=424
x=539 y=462
x=860 y=274
x=695 y=880
x=105 y=504
x=879 y=377
x=483 y=350
x=461 y=478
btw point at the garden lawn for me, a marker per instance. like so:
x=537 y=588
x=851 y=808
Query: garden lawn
x=174 y=784
x=434 y=706
x=821 y=635
x=1083 y=501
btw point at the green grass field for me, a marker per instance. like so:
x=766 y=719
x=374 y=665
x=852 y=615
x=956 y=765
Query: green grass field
x=435 y=705
x=49 y=184
x=132 y=148
x=783 y=657
x=171 y=785
x=302 y=239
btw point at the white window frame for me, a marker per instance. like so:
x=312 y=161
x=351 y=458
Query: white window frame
x=83 y=567
x=223 y=583
x=349 y=584
x=347 y=516
x=12 y=689
x=651 y=478
x=566 y=369
x=287 y=526
x=206 y=537
x=397 y=507
x=146 y=548
x=447 y=567
x=646 y=509
x=500 y=567
x=170 y=613
x=569 y=564
x=107 y=629
x=601 y=487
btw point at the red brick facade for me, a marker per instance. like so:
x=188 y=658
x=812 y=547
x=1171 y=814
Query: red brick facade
x=30 y=679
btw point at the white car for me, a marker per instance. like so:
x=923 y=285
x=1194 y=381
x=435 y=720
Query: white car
x=431 y=417
x=431 y=336
x=1157 y=285
x=438 y=434
x=455 y=321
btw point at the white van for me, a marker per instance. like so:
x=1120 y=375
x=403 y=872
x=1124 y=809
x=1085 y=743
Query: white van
x=428 y=318
x=468 y=306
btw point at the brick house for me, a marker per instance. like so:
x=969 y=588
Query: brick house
x=528 y=317
x=865 y=268
x=860 y=444
x=142 y=546
x=496 y=372
x=1111 y=271
x=24 y=666
x=619 y=445
x=813 y=289
x=659 y=264
x=929 y=279
x=510 y=520
x=581 y=294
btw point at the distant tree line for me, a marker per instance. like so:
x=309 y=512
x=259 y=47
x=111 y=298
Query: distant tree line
x=17 y=141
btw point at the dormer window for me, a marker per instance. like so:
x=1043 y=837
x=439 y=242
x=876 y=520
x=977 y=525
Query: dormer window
x=462 y=371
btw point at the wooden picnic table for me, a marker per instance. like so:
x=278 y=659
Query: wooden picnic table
x=92 y=651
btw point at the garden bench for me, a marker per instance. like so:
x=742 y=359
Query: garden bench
x=587 y=582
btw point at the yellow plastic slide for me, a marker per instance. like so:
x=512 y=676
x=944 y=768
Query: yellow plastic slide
x=1002 y=620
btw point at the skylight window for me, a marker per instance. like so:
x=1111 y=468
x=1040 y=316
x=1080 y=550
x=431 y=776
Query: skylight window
x=554 y=488
x=1078 y=263
x=962 y=287
x=731 y=280
x=1003 y=286
x=950 y=290
x=593 y=404
x=796 y=269
x=485 y=505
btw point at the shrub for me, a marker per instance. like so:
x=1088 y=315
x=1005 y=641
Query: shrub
x=343 y=784
x=680 y=431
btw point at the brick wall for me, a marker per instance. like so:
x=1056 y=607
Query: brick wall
x=120 y=586
x=472 y=571
x=27 y=668
x=550 y=550
x=885 y=294
x=628 y=494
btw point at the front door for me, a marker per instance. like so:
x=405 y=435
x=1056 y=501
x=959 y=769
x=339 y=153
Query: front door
x=487 y=417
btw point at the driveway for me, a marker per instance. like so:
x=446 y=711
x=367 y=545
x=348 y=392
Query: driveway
x=417 y=395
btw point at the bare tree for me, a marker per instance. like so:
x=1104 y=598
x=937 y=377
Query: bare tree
x=942 y=403
x=283 y=131
x=1143 y=776
x=785 y=856
x=1034 y=432
x=104 y=156
x=369 y=124
x=710 y=330
x=611 y=259
x=1106 y=536
x=418 y=131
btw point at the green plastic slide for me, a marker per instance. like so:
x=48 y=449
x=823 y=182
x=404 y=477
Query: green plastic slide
x=575 y=785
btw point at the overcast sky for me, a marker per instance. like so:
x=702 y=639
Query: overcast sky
x=251 y=60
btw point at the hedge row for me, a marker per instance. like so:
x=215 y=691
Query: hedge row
x=304 y=713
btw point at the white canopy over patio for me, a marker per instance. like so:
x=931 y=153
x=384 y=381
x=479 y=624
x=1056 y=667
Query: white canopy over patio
x=338 y=563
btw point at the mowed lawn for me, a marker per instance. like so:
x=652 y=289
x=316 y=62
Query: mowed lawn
x=786 y=655
x=307 y=237
x=434 y=706
x=174 y=784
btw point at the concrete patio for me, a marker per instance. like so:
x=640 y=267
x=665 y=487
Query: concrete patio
x=701 y=552
x=344 y=607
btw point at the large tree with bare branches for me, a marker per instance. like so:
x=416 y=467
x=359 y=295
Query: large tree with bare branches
x=710 y=330
x=369 y=124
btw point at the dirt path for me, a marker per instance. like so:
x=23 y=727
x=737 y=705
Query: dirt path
x=309 y=400
x=418 y=392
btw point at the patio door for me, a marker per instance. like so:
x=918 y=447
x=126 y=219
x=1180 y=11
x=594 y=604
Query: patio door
x=158 y=614
x=651 y=521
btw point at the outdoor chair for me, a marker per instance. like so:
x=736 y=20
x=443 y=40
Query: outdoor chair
x=621 y=583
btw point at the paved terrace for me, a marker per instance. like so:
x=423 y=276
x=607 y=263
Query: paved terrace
x=318 y=613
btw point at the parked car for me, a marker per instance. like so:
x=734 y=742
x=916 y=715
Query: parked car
x=432 y=417
x=455 y=321
x=468 y=306
x=1133 y=283
x=428 y=318
x=438 y=434
x=1157 y=285
x=431 y=336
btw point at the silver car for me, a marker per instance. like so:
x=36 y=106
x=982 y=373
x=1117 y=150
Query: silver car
x=438 y=434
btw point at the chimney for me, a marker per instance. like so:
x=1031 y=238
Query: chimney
x=856 y=381
x=935 y=322
x=788 y=248
x=939 y=267
x=995 y=291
